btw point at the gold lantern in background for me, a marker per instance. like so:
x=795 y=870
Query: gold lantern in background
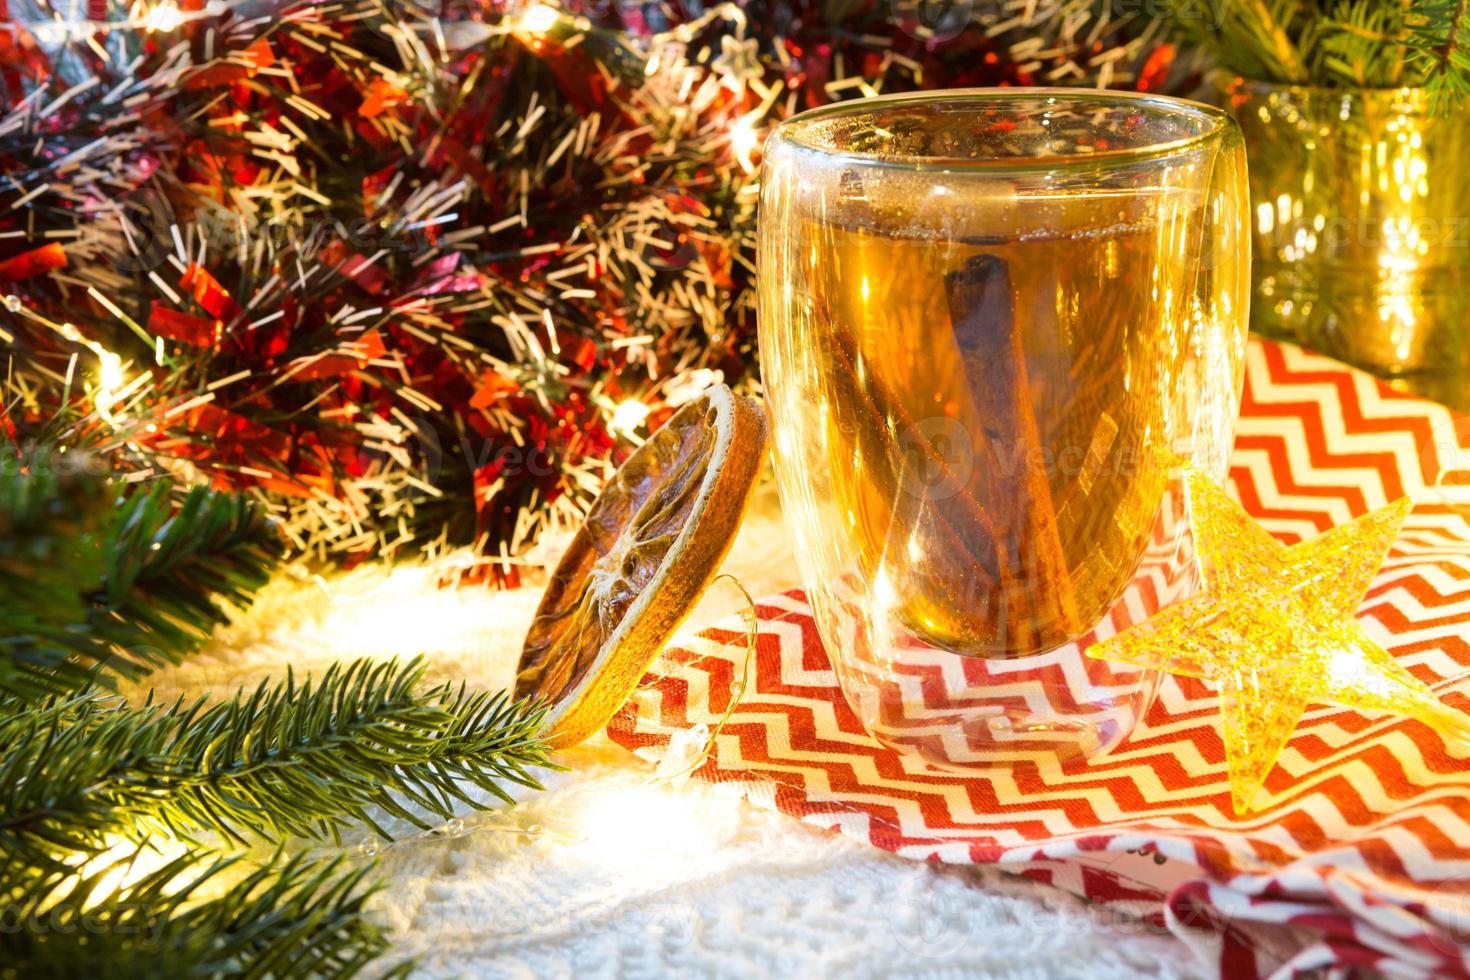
x=1361 y=201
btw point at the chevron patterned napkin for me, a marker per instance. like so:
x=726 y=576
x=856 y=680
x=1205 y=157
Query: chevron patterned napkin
x=1361 y=858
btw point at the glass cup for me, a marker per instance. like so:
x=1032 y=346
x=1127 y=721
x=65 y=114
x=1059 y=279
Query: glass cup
x=995 y=327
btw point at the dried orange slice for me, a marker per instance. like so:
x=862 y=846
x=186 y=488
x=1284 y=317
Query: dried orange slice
x=652 y=541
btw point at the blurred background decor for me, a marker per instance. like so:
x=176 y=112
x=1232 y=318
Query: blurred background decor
x=1354 y=113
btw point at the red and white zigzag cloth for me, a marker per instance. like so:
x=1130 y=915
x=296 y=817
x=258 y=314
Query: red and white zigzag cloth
x=1362 y=858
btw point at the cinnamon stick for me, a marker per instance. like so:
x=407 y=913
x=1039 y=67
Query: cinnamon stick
x=1010 y=480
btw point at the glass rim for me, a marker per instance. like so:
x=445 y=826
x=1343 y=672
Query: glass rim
x=1219 y=122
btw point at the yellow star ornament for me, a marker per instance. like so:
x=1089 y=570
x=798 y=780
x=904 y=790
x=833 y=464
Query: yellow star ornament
x=1275 y=630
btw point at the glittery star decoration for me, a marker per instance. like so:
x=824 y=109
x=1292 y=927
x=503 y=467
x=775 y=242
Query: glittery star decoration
x=1275 y=630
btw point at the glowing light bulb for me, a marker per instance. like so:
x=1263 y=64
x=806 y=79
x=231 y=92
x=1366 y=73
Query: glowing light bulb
x=744 y=140
x=537 y=19
x=645 y=830
x=110 y=378
x=628 y=416
x=163 y=18
x=110 y=382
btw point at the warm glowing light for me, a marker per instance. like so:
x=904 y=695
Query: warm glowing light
x=538 y=18
x=744 y=141
x=645 y=828
x=629 y=416
x=163 y=18
x=124 y=864
x=380 y=611
x=916 y=547
x=110 y=379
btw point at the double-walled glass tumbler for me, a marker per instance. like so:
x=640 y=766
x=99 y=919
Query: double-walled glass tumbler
x=995 y=328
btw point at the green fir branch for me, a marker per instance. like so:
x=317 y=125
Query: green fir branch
x=1272 y=23
x=1337 y=43
x=192 y=917
x=1440 y=50
x=50 y=526
x=171 y=569
x=1360 y=44
x=1257 y=38
x=101 y=580
x=288 y=760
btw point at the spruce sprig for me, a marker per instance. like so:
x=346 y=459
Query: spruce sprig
x=1439 y=46
x=172 y=569
x=288 y=760
x=49 y=534
x=193 y=917
x=1338 y=43
x=101 y=580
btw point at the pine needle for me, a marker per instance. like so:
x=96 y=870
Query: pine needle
x=1338 y=43
x=193 y=917
x=100 y=580
x=287 y=760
